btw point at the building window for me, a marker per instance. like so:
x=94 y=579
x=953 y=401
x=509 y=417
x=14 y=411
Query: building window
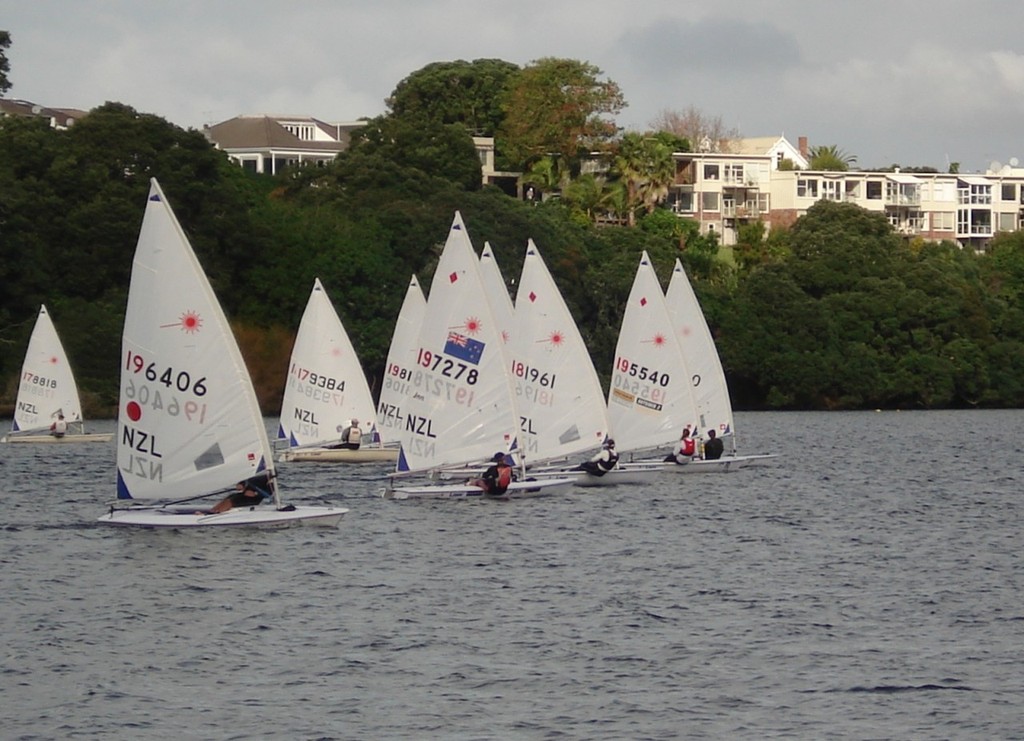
x=1009 y=193
x=709 y=201
x=734 y=173
x=807 y=188
x=1007 y=222
x=711 y=172
x=942 y=221
x=832 y=190
x=873 y=190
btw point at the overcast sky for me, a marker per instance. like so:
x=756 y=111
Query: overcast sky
x=913 y=82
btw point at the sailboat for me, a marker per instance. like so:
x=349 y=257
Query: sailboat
x=189 y=425
x=326 y=390
x=497 y=293
x=561 y=403
x=401 y=361
x=458 y=404
x=650 y=398
x=710 y=390
x=47 y=390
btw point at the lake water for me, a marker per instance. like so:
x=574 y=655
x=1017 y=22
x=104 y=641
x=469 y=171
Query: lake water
x=866 y=585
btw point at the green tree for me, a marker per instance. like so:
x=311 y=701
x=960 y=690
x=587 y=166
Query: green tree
x=830 y=157
x=644 y=165
x=444 y=150
x=557 y=107
x=5 y=65
x=467 y=93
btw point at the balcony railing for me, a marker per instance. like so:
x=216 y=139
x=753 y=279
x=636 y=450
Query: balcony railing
x=903 y=199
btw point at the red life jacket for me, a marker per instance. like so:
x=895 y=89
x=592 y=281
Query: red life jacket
x=688 y=447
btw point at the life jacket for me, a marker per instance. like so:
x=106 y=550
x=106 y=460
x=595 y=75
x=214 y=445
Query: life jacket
x=609 y=463
x=689 y=447
x=504 y=479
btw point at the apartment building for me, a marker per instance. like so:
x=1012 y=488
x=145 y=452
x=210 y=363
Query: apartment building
x=725 y=190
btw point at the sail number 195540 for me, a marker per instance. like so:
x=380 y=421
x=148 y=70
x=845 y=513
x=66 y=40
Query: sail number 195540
x=180 y=380
x=641 y=372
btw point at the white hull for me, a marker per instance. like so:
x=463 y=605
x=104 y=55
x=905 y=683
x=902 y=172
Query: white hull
x=88 y=437
x=263 y=517
x=517 y=490
x=624 y=476
x=337 y=455
x=721 y=465
x=632 y=474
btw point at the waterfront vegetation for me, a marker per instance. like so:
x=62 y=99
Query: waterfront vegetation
x=836 y=312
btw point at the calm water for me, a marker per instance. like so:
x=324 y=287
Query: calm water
x=867 y=587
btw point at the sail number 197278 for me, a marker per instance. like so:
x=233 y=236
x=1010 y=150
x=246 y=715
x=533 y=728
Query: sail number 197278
x=446 y=366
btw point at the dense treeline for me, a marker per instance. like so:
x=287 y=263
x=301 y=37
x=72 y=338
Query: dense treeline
x=837 y=312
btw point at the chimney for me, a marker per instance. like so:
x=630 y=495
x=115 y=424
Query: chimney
x=802 y=146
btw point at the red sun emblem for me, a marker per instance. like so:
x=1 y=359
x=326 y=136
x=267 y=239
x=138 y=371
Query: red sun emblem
x=472 y=325
x=659 y=340
x=134 y=411
x=556 y=338
x=190 y=322
x=53 y=360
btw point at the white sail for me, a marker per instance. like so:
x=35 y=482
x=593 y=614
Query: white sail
x=326 y=386
x=401 y=362
x=558 y=393
x=497 y=293
x=710 y=391
x=47 y=385
x=458 y=404
x=650 y=398
x=188 y=422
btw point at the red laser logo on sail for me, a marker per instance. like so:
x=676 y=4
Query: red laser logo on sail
x=190 y=322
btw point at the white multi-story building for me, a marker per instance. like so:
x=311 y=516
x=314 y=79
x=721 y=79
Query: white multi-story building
x=724 y=190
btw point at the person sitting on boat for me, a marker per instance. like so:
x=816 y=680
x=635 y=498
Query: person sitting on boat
x=497 y=478
x=351 y=436
x=247 y=493
x=714 y=447
x=603 y=461
x=687 y=449
x=59 y=427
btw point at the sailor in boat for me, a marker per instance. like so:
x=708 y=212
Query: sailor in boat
x=687 y=449
x=714 y=447
x=59 y=428
x=603 y=461
x=497 y=478
x=248 y=493
x=351 y=437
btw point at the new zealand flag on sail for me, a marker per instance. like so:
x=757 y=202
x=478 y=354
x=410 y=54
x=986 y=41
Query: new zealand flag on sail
x=464 y=348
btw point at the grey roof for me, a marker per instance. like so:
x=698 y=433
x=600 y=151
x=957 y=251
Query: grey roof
x=62 y=117
x=255 y=132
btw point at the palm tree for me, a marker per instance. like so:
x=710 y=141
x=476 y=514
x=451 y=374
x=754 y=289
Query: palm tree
x=645 y=167
x=831 y=158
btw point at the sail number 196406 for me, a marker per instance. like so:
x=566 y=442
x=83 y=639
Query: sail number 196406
x=181 y=380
